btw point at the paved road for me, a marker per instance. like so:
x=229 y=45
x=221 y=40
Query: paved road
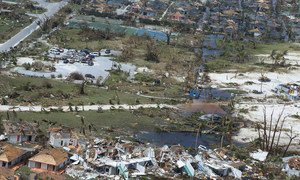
x=52 y=8
x=84 y=108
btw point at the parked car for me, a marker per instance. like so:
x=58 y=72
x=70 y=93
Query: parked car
x=64 y=58
x=72 y=50
x=89 y=76
x=95 y=54
x=72 y=61
x=90 y=56
x=107 y=51
x=54 y=51
x=83 y=60
x=90 y=63
x=82 y=54
x=86 y=51
x=66 y=61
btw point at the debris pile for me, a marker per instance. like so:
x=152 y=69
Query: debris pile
x=126 y=159
x=292 y=165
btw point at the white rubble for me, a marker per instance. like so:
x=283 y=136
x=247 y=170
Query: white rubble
x=259 y=155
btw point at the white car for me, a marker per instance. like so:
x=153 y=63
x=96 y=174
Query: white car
x=96 y=54
x=54 y=51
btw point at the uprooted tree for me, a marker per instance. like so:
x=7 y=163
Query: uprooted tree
x=269 y=133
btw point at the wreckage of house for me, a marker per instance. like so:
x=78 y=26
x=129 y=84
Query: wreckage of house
x=21 y=131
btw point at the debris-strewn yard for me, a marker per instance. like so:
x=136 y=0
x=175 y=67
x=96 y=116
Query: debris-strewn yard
x=262 y=95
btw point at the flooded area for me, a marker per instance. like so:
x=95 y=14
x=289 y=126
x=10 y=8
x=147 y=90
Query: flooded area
x=213 y=93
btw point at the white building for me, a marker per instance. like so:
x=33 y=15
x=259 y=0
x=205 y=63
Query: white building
x=62 y=137
x=20 y=131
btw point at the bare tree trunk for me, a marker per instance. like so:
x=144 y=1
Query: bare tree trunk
x=270 y=129
x=265 y=129
x=275 y=129
x=196 y=143
x=81 y=89
x=280 y=130
x=168 y=37
x=259 y=136
x=292 y=137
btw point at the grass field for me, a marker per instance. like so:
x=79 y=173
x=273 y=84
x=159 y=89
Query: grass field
x=267 y=48
x=31 y=90
x=115 y=122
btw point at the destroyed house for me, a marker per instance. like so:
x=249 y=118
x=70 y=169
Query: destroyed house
x=148 y=13
x=11 y=155
x=109 y=167
x=22 y=131
x=62 y=137
x=177 y=16
x=49 y=159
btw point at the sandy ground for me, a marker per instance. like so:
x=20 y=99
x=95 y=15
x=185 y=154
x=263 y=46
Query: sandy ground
x=267 y=99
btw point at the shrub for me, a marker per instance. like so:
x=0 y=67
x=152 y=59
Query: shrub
x=52 y=76
x=143 y=77
x=52 y=68
x=99 y=81
x=37 y=66
x=76 y=76
x=47 y=84
x=27 y=66
x=152 y=52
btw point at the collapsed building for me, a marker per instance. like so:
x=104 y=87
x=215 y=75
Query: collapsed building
x=20 y=131
x=129 y=160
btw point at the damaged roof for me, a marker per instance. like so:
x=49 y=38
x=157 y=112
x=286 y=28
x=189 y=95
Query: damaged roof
x=53 y=156
x=62 y=133
x=20 y=127
x=9 y=152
